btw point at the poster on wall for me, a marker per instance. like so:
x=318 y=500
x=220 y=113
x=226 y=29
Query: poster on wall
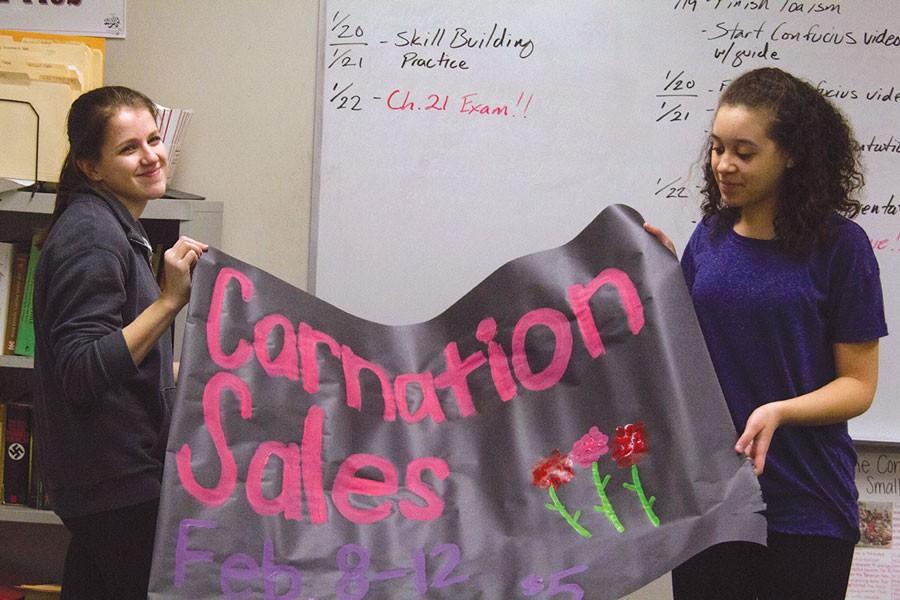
x=875 y=574
x=96 y=18
x=558 y=432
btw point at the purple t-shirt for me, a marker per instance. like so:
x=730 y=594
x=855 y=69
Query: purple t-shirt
x=769 y=319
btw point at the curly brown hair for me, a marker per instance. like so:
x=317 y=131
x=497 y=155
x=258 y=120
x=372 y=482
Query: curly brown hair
x=826 y=173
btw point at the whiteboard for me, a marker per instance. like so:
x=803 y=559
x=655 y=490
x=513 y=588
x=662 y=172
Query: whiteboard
x=453 y=137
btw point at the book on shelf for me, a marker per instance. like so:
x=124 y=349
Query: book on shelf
x=40 y=591
x=2 y=443
x=172 y=124
x=25 y=332
x=17 y=453
x=27 y=473
x=37 y=492
x=14 y=300
x=11 y=593
x=7 y=257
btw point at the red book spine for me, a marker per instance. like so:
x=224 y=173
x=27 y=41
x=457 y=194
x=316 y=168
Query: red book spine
x=16 y=294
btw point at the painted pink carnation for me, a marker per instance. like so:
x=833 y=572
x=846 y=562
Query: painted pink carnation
x=589 y=448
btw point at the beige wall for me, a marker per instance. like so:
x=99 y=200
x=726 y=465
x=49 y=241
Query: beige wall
x=248 y=70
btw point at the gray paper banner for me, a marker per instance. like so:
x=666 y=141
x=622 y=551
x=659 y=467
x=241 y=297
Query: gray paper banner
x=556 y=433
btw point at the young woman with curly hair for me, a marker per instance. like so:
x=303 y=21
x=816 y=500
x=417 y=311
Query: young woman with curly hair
x=787 y=292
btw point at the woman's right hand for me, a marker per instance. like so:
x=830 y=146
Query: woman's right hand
x=179 y=264
x=662 y=237
x=142 y=333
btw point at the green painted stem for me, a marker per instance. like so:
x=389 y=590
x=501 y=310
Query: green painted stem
x=638 y=489
x=561 y=509
x=605 y=505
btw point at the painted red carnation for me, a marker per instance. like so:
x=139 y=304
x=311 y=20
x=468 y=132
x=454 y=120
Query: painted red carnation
x=630 y=445
x=555 y=470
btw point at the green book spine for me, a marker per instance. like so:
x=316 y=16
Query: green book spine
x=25 y=333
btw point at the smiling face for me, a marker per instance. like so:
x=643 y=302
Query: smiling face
x=748 y=165
x=133 y=159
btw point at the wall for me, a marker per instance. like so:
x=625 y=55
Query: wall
x=248 y=70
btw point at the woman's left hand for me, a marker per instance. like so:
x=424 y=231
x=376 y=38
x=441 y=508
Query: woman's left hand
x=754 y=442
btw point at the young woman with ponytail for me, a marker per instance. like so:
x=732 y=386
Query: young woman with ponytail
x=103 y=368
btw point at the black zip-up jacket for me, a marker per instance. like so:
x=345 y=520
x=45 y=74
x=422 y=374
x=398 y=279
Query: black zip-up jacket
x=101 y=421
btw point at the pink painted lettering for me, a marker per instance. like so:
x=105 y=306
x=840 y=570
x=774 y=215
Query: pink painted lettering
x=214 y=327
x=353 y=366
x=215 y=387
x=311 y=465
x=430 y=406
x=307 y=340
x=288 y=500
x=580 y=298
x=454 y=377
x=557 y=323
x=499 y=364
x=347 y=483
x=285 y=363
x=434 y=504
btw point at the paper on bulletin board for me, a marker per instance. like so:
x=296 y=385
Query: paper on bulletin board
x=100 y=18
x=875 y=575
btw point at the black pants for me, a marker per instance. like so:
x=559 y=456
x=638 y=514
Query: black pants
x=109 y=554
x=792 y=567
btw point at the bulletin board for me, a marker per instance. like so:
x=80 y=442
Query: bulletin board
x=873 y=575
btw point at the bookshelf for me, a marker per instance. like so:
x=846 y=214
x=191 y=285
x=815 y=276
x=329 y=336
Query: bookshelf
x=164 y=220
x=16 y=362
x=23 y=514
x=34 y=541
